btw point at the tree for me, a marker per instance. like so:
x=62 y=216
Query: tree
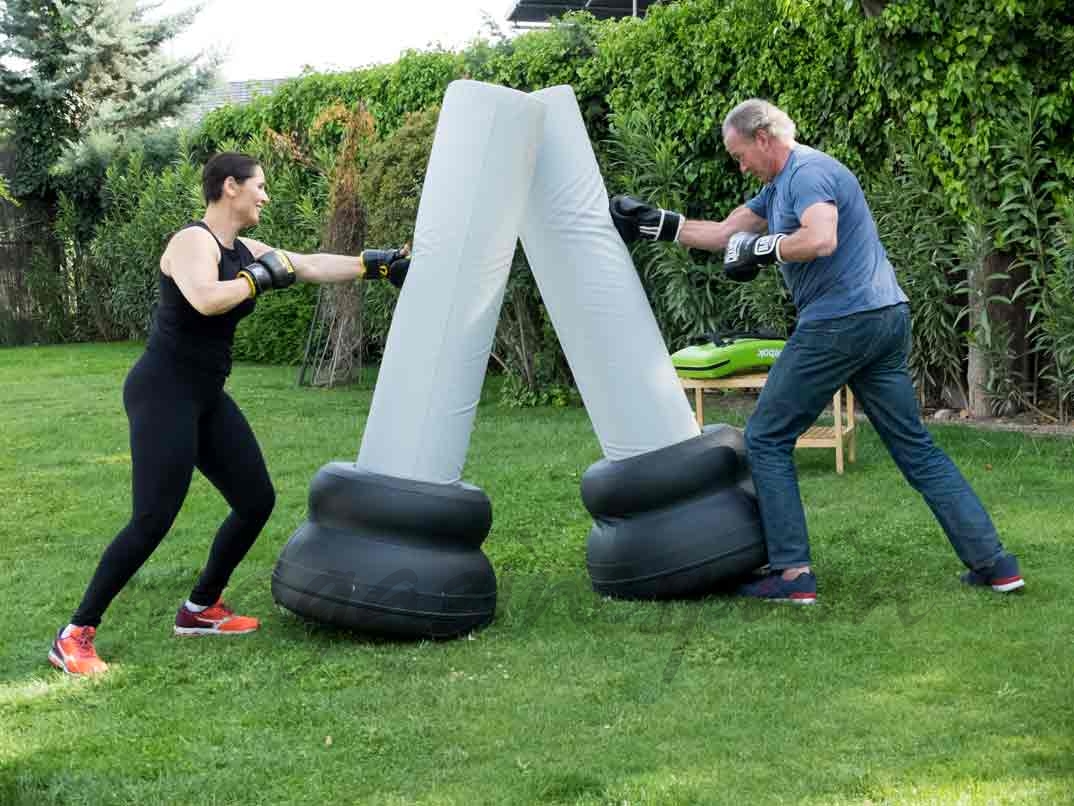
x=953 y=74
x=72 y=68
x=339 y=307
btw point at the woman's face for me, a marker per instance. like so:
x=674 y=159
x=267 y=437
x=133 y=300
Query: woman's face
x=250 y=197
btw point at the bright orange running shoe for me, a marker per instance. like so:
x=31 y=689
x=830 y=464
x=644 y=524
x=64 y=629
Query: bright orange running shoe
x=75 y=653
x=219 y=619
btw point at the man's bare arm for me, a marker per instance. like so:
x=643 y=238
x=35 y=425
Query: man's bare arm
x=713 y=235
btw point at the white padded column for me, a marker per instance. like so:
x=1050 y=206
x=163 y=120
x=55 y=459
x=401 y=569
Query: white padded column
x=438 y=346
x=594 y=297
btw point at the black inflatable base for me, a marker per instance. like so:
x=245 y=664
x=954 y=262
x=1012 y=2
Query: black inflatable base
x=390 y=557
x=678 y=522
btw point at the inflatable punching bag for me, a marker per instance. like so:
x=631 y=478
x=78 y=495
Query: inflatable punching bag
x=672 y=507
x=392 y=543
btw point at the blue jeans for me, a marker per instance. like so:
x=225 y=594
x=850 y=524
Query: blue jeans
x=868 y=351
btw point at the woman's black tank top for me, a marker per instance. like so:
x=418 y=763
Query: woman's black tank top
x=180 y=331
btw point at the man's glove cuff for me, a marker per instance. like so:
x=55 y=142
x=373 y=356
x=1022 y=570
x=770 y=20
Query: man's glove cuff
x=667 y=228
x=771 y=243
x=744 y=247
x=765 y=249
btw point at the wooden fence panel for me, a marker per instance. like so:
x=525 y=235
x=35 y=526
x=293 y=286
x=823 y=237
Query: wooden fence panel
x=23 y=228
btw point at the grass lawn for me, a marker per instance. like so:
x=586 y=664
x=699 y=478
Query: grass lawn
x=900 y=687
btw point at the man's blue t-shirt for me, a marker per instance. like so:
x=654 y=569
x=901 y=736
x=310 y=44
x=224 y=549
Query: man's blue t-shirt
x=857 y=276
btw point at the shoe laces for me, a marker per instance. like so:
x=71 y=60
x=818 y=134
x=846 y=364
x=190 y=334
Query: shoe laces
x=218 y=610
x=84 y=641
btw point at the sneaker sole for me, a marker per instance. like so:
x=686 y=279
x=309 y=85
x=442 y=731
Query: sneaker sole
x=56 y=661
x=211 y=631
x=793 y=600
x=1008 y=585
x=800 y=600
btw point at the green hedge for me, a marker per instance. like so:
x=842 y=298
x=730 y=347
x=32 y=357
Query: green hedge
x=390 y=92
x=922 y=101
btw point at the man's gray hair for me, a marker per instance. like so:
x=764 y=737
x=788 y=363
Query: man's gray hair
x=757 y=113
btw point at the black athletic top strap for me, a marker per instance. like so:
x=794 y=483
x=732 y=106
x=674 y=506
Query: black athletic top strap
x=193 y=338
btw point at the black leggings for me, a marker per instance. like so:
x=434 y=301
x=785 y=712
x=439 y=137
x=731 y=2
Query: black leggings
x=180 y=419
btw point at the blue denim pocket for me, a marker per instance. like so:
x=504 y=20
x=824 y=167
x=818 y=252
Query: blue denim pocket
x=858 y=336
x=842 y=336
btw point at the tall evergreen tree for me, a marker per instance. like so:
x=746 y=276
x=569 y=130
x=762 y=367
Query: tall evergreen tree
x=72 y=68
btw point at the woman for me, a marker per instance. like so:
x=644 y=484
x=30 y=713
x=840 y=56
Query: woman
x=181 y=417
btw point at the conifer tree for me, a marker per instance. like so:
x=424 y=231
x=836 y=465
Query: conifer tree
x=70 y=69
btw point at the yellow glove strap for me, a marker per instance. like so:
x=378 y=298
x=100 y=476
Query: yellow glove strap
x=245 y=275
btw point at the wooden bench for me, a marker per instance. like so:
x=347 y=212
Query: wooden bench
x=840 y=435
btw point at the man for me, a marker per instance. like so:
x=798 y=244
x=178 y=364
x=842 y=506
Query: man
x=853 y=328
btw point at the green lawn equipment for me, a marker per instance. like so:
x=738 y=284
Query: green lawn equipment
x=724 y=354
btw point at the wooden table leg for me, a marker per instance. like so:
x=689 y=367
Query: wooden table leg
x=699 y=406
x=837 y=429
x=852 y=425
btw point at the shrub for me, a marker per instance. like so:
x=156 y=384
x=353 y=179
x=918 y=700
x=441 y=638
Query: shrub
x=142 y=211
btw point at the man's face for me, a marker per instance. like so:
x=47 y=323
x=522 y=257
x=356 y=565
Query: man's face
x=753 y=155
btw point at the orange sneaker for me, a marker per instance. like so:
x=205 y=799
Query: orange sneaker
x=75 y=653
x=218 y=619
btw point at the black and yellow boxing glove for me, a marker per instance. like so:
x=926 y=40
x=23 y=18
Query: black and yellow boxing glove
x=384 y=264
x=271 y=270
